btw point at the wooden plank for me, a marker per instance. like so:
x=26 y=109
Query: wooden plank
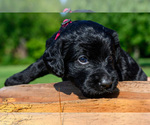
x=88 y=105
x=75 y=119
x=135 y=86
x=64 y=104
x=41 y=92
x=133 y=97
x=50 y=92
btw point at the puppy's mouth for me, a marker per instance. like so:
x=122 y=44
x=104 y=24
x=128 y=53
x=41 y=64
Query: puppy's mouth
x=104 y=89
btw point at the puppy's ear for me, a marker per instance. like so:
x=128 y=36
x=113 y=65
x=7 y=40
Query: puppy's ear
x=53 y=58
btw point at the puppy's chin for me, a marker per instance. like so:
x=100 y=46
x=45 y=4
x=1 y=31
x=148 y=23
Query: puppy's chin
x=98 y=92
x=91 y=94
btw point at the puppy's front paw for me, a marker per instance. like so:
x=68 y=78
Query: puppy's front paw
x=7 y=83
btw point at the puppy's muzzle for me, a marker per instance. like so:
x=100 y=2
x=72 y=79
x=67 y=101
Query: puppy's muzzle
x=102 y=78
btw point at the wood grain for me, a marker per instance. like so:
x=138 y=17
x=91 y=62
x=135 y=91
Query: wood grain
x=75 y=119
x=133 y=97
x=64 y=104
x=50 y=92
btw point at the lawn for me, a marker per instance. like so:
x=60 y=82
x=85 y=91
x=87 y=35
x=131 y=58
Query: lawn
x=6 y=71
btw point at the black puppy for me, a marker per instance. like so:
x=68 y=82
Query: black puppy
x=86 y=53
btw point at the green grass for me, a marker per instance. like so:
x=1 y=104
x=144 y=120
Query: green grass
x=7 y=71
x=146 y=70
x=145 y=64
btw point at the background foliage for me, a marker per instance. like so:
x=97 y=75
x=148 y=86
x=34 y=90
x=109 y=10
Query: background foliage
x=23 y=35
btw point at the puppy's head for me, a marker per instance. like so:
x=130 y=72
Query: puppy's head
x=86 y=54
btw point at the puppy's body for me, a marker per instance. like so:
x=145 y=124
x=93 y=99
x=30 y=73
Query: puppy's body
x=89 y=55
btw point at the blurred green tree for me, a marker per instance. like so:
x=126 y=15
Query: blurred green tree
x=18 y=29
x=23 y=35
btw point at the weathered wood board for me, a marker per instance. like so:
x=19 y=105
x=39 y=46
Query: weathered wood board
x=75 y=119
x=64 y=104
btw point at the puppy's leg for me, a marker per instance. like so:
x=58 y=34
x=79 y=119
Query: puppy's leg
x=34 y=71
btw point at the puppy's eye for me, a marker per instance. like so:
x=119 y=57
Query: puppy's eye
x=83 y=59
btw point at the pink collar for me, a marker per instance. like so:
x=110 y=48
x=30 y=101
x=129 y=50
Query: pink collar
x=64 y=24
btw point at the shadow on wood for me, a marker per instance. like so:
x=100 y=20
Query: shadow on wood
x=70 y=88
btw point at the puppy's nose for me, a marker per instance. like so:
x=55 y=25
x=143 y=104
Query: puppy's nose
x=105 y=82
